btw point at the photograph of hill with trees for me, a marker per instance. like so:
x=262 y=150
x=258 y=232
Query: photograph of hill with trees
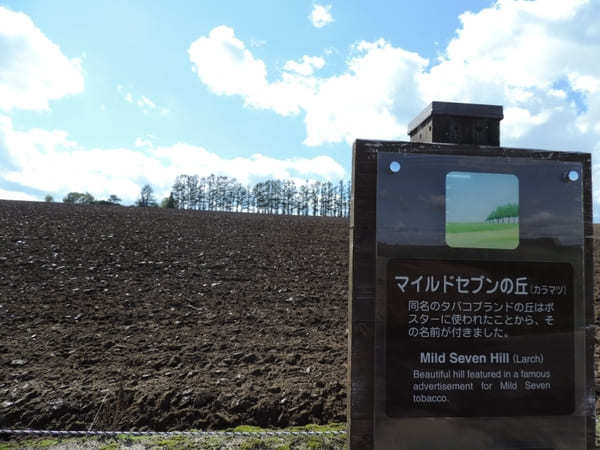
x=482 y=210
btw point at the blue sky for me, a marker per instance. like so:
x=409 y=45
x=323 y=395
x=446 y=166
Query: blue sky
x=107 y=96
x=471 y=196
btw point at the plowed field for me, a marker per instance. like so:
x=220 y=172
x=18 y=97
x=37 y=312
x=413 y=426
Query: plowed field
x=129 y=318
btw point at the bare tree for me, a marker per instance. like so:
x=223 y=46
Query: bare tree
x=114 y=199
x=146 y=197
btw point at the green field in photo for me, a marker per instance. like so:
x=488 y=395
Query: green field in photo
x=482 y=235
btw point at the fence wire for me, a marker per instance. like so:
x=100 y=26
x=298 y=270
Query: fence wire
x=274 y=433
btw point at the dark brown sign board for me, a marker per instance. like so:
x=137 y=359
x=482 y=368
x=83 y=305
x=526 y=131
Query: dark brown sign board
x=471 y=307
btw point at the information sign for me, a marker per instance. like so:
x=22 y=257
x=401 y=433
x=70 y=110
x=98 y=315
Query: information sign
x=471 y=308
x=479 y=339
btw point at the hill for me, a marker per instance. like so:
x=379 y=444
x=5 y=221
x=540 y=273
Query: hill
x=131 y=318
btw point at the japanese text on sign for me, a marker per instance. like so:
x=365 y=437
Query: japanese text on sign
x=482 y=284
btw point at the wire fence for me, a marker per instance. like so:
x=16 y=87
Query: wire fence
x=265 y=433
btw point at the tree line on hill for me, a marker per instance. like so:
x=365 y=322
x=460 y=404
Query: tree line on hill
x=80 y=198
x=508 y=213
x=221 y=193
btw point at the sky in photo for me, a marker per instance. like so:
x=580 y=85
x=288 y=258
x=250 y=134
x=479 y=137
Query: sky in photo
x=471 y=196
x=107 y=96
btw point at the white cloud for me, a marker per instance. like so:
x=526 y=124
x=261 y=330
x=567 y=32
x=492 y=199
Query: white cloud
x=257 y=43
x=127 y=96
x=33 y=69
x=373 y=98
x=585 y=83
x=519 y=120
x=16 y=195
x=320 y=15
x=227 y=67
x=147 y=141
x=513 y=43
x=515 y=53
x=142 y=142
x=144 y=103
x=306 y=67
x=49 y=161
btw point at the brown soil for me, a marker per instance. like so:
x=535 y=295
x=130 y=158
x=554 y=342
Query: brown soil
x=150 y=319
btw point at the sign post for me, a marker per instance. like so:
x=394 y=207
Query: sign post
x=471 y=308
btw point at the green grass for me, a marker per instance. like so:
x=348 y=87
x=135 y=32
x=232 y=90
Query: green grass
x=309 y=427
x=29 y=443
x=482 y=235
x=247 y=429
x=257 y=442
x=174 y=443
x=111 y=446
x=313 y=427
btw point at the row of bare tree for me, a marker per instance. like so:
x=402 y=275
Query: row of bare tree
x=221 y=193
